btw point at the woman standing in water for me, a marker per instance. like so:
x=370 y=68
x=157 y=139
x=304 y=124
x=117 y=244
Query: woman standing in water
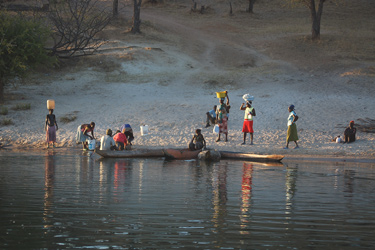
x=292 y=128
x=51 y=127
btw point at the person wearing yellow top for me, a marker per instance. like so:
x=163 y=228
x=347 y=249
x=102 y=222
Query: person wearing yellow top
x=248 y=121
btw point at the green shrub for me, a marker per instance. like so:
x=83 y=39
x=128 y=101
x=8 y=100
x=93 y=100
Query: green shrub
x=22 y=47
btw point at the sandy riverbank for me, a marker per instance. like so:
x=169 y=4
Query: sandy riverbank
x=169 y=83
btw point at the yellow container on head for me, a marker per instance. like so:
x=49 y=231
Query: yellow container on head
x=50 y=104
x=221 y=94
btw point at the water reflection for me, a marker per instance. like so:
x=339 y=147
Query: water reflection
x=49 y=177
x=219 y=192
x=246 y=186
x=115 y=177
x=290 y=185
x=349 y=182
x=290 y=190
x=72 y=201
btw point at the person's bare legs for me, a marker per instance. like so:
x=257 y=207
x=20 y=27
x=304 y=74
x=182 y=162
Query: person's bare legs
x=218 y=138
x=244 y=139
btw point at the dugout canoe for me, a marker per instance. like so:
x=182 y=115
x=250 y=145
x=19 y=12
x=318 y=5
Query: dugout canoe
x=250 y=157
x=135 y=153
x=181 y=154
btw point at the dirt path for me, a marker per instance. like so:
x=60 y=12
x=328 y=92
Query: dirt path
x=205 y=41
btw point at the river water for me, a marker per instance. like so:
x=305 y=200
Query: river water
x=68 y=200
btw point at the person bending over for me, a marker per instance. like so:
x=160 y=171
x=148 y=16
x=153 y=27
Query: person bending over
x=120 y=139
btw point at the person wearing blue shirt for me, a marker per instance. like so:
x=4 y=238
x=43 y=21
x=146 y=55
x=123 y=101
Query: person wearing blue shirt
x=211 y=117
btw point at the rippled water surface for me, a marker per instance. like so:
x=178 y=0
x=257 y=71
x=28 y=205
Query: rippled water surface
x=60 y=200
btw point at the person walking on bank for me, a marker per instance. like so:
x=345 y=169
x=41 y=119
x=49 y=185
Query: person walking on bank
x=51 y=127
x=292 y=128
x=248 y=121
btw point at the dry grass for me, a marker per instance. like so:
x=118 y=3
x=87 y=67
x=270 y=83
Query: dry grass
x=3 y=110
x=22 y=106
x=6 y=122
x=366 y=125
x=68 y=118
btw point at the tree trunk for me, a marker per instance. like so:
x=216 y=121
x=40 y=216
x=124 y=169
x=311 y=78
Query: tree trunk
x=251 y=6
x=315 y=18
x=115 y=8
x=137 y=17
x=1 y=91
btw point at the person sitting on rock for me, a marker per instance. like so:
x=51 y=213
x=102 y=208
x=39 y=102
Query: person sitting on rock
x=199 y=140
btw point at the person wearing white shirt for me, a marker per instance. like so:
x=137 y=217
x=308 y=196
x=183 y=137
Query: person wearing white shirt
x=107 y=142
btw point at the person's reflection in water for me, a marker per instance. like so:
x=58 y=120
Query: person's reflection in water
x=114 y=178
x=348 y=182
x=220 y=197
x=290 y=190
x=86 y=172
x=121 y=172
x=49 y=176
x=246 y=186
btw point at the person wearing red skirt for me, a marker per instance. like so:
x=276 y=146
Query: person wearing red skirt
x=248 y=121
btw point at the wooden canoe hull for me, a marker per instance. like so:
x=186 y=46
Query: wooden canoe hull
x=181 y=154
x=185 y=154
x=138 y=153
x=178 y=154
x=250 y=157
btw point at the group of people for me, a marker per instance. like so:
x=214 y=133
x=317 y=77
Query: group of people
x=218 y=116
x=121 y=140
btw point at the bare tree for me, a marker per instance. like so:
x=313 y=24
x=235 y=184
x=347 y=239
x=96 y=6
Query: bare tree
x=251 y=6
x=316 y=12
x=75 y=25
x=136 y=28
x=115 y=8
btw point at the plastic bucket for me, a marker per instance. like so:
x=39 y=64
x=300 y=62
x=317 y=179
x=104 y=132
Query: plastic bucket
x=221 y=94
x=144 y=130
x=50 y=104
x=91 y=144
x=248 y=97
